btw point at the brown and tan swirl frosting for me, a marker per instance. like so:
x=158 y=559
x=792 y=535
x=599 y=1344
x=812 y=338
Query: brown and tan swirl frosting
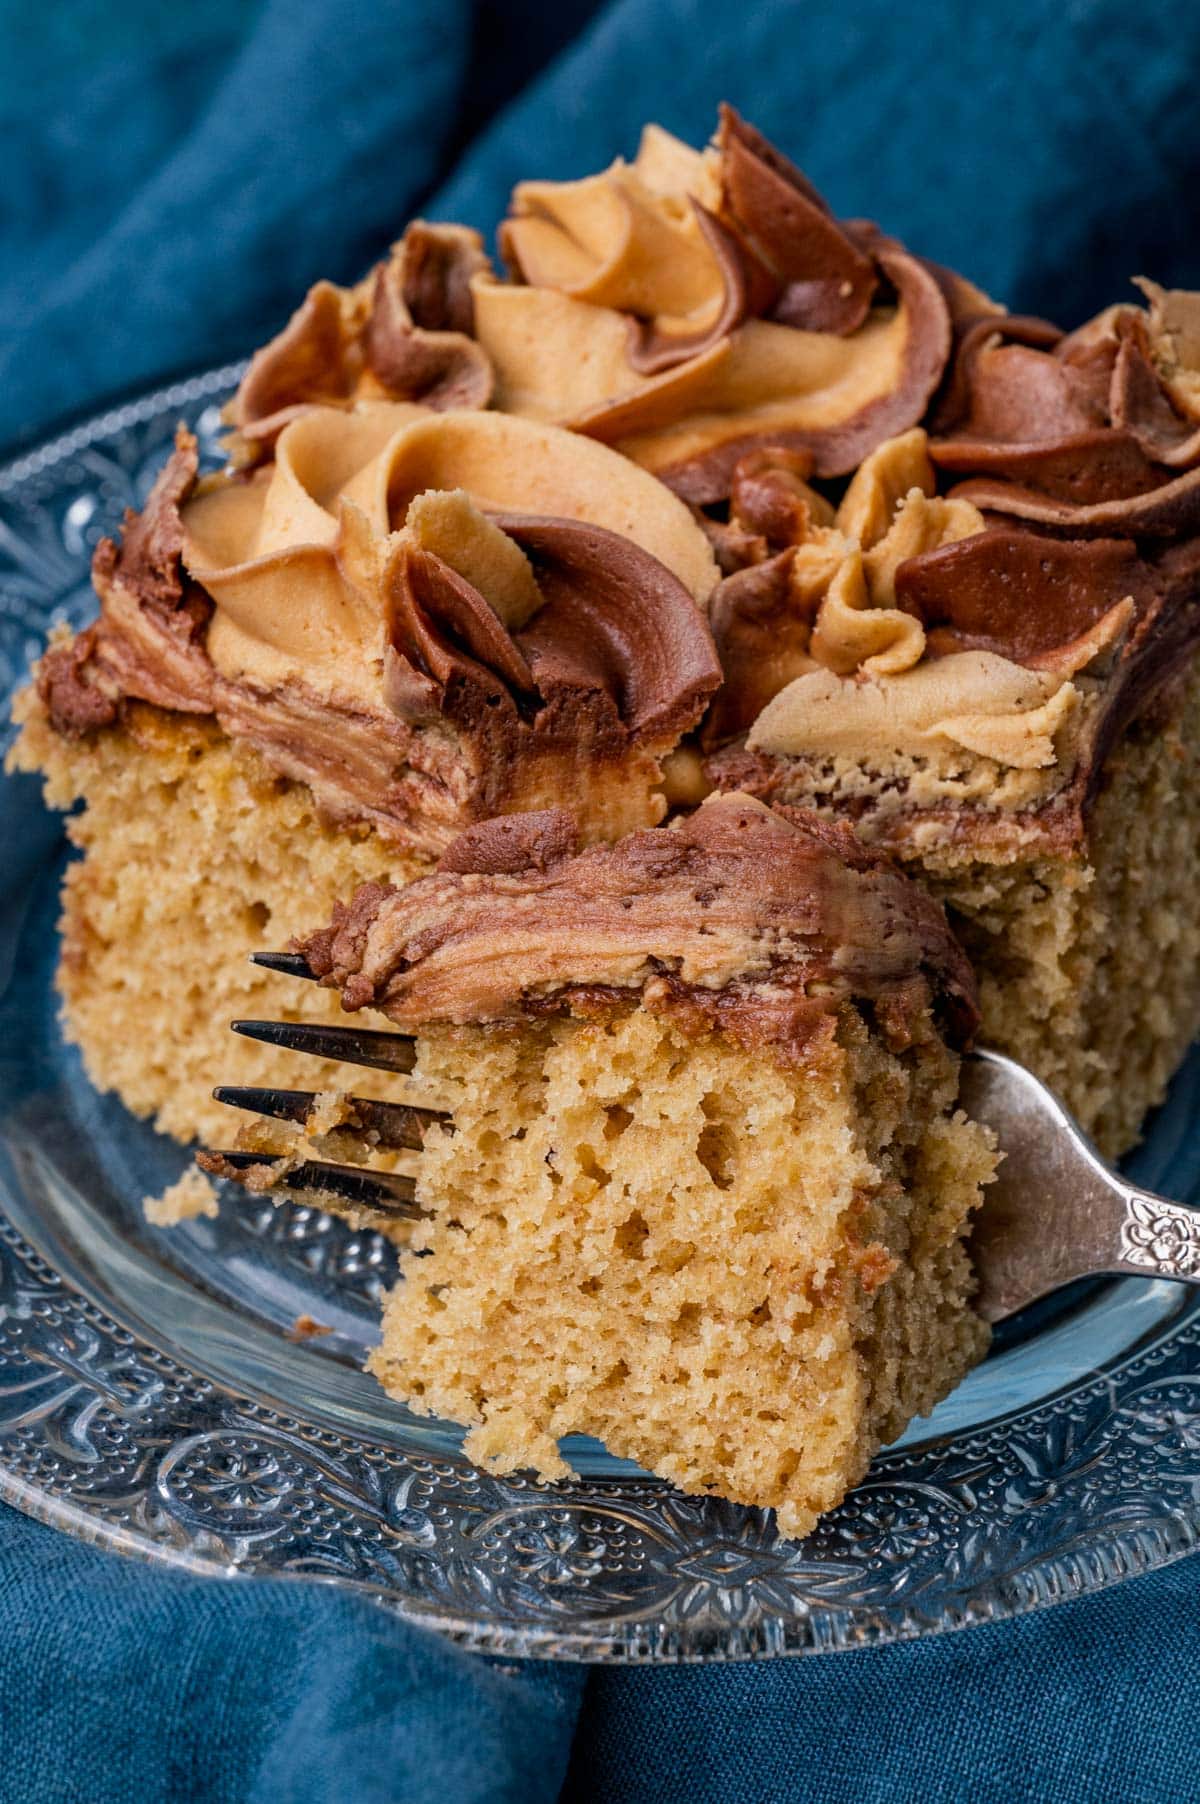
x=429 y=617
x=402 y=334
x=761 y=923
x=684 y=308
x=690 y=306
x=994 y=597
x=423 y=596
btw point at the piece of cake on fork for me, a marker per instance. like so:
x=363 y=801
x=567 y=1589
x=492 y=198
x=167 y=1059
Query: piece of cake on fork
x=705 y=1191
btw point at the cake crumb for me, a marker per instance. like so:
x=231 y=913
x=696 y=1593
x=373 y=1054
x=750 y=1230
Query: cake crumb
x=189 y=1196
x=330 y=1109
x=305 y=1327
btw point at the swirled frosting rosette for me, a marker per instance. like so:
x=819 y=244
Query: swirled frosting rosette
x=428 y=617
x=691 y=306
x=952 y=652
x=404 y=333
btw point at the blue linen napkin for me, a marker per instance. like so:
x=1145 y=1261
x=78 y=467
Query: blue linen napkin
x=128 y=1684
x=173 y=178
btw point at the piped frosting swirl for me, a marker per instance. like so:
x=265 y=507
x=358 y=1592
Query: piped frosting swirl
x=1045 y=556
x=405 y=333
x=429 y=617
x=690 y=306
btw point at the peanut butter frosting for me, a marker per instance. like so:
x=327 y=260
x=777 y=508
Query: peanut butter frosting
x=994 y=598
x=763 y=924
x=459 y=562
x=429 y=617
x=692 y=305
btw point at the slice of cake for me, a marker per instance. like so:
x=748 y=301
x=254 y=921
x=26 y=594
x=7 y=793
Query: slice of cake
x=949 y=558
x=321 y=670
x=705 y=1192
x=983 y=657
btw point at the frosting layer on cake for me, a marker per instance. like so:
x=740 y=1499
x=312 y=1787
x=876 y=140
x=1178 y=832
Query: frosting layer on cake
x=757 y=922
x=429 y=617
x=955 y=651
x=957 y=549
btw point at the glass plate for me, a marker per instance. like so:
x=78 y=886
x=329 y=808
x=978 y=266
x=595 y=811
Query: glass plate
x=150 y=1400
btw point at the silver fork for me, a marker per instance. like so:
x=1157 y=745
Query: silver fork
x=1055 y=1213
x=392 y=1126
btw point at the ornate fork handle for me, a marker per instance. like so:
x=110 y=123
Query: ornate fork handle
x=1158 y=1238
x=1057 y=1212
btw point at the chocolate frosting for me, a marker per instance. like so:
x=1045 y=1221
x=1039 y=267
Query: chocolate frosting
x=152 y=540
x=826 y=283
x=151 y=644
x=682 y=308
x=617 y=634
x=511 y=843
x=612 y=608
x=762 y=638
x=444 y=638
x=1017 y=594
x=761 y=924
x=954 y=407
x=405 y=334
x=436 y=264
x=573 y=681
x=1171 y=511
x=438 y=367
x=1078 y=431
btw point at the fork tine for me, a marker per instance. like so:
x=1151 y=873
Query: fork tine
x=397 y=1124
x=350 y=1045
x=290 y=964
x=389 y=1191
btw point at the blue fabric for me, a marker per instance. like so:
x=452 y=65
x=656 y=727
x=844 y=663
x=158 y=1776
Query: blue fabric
x=126 y=1684
x=173 y=177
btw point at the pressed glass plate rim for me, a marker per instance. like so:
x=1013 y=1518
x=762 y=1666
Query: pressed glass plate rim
x=732 y=1551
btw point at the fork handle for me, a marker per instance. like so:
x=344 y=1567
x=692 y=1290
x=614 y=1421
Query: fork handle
x=1158 y=1239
